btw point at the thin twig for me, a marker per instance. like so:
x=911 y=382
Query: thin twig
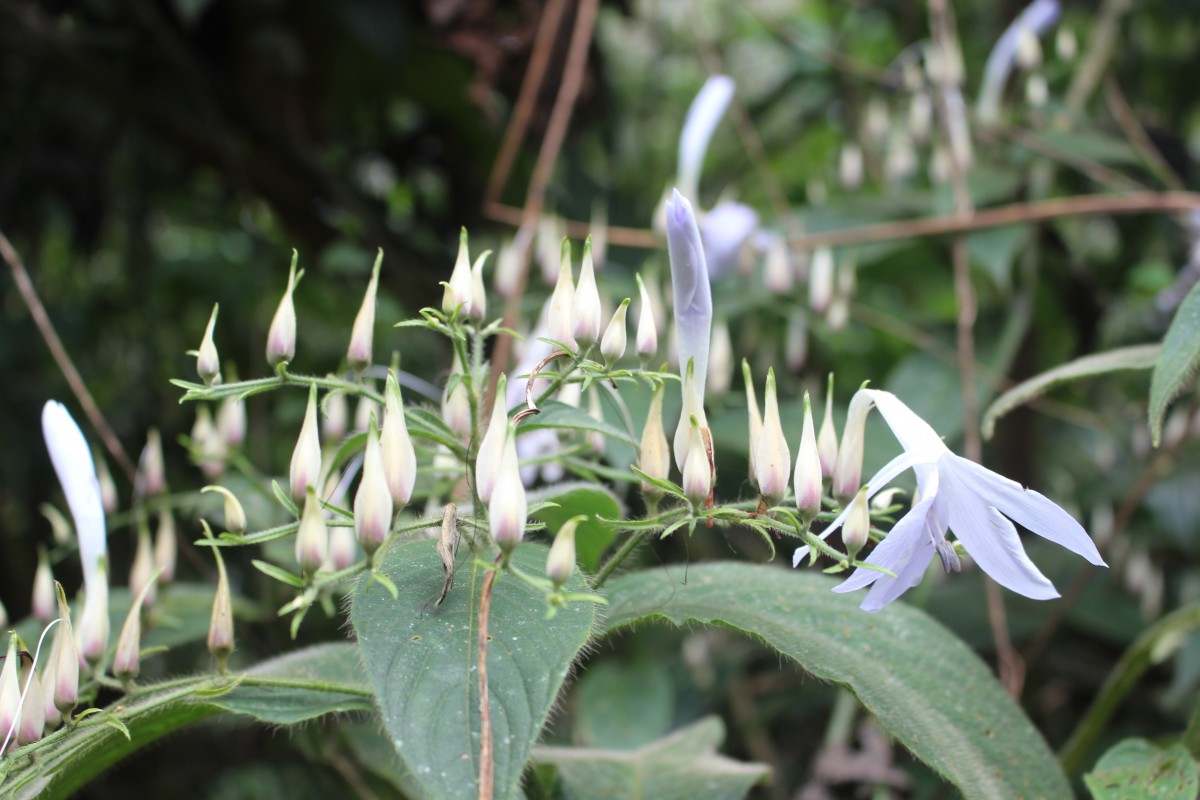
x=1132 y=127
x=487 y=765
x=65 y=364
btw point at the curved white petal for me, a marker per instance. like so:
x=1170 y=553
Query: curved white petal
x=914 y=433
x=888 y=589
x=72 y=459
x=897 y=551
x=1038 y=16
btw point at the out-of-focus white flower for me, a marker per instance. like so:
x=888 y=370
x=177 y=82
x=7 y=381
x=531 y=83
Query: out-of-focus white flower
x=362 y=335
x=281 y=337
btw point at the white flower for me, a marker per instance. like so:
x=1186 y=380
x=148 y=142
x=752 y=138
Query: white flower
x=961 y=496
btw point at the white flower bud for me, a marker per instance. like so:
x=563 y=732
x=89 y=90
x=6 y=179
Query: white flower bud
x=92 y=633
x=373 y=501
x=42 y=605
x=362 y=335
x=1036 y=90
x=754 y=416
x=720 y=359
x=508 y=267
x=337 y=414
x=127 y=660
x=151 y=476
x=281 y=338
x=586 y=313
x=165 y=547
x=1029 y=49
x=143 y=563
x=875 y=120
x=33 y=712
x=10 y=692
x=560 y=563
x=612 y=346
x=693 y=406
x=795 y=342
x=1065 y=44
x=654 y=457
x=550 y=232
x=847 y=476
x=807 y=480
x=490 y=455
x=457 y=294
x=343 y=549
x=478 y=289
x=235 y=515
x=560 y=310
x=312 y=537
x=647 y=329
x=65 y=688
x=827 y=440
x=231 y=421
x=305 y=470
x=778 y=275
x=366 y=410
x=857 y=527
x=820 y=280
x=772 y=458
x=208 y=363
x=697 y=471
x=850 y=166
x=508 y=509
x=396 y=447
x=900 y=161
x=456 y=403
x=220 y=626
x=208 y=449
x=108 y=487
x=920 y=116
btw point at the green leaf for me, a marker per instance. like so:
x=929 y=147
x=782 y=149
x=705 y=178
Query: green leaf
x=682 y=766
x=593 y=536
x=1179 y=361
x=422 y=661
x=923 y=685
x=996 y=249
x=299 y=686
x=1123 y=358
x=622 y=706
x=560 y=416
x=1134 y=769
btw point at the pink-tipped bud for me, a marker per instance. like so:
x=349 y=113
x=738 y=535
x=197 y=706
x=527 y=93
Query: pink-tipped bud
x=655 y=456
x=560 y=310
x=281 y=338
x=60 y=529
x=478 y=288
x=396 y=447
x=647 y=329
x=456 y=403
x=336 y=417
x=143 y=564
x=362 y=335
x=457 y=294
x=50 y=711
x=585 y=314
x=755 y=418
x=33 y=711
x=847 y=475
x=108 y=487
x=850 y=166
x=697 y=471
x=151 y=476
x=508 y=510
x=220 y=626
x=127 y=660
x=820 y=280
x=560 y=564
x=827 y=440
x=366 y=410
x=208 y=363
x=208 y=449
x=772 y=458
x=305 y=470
x=373 y=501
x=721 y=362
x=235 y=515
x=3 y=616
x=491 y=448
x=10 y=693
x=312 y=537
x=166 y=549
x=92 y=633
x=231 y=421
x=343 y=549
x=857 y=527
x=65 y=688
x=43 y=589
x=807 y=480
x=612 y=345
x=693 y=406
x=778 y=275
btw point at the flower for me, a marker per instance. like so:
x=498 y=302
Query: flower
x=208 y=363
x=281 y=337
x=961 y=496
x=305 y=470
x=647 y=330
x=373 y=504
x=1036 y=19
x=362 y=335
x=458 y=290
x=612 y=344
x=689 y=282
x=585 y=309
x=698 y=127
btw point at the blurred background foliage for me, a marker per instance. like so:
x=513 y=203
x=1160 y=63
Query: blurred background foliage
x=157 y=156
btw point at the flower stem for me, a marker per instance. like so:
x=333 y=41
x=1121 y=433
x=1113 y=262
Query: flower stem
x=610 y=566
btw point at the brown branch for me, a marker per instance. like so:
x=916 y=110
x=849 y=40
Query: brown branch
x=65 y=364
x=1132 y=127
x=556 y=130
x=487 y=765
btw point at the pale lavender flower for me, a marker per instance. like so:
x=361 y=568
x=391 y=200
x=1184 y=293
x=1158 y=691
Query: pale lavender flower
x=961 y=496
x=1037 y=17
x=702 y=118
x=727 y=229
x=689 y=282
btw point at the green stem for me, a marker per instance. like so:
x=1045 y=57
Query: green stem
x=611 y=565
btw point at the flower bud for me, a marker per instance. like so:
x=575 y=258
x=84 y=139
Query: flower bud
x=65 y=689
x=491 y=448
x=456 y=403
x=343 y=549
x=697 y=471
x=807 y=480
x=43 y=589
x=3 y=616
x=508 y=265
x=60 y=529
x=208 y=449
x=847 y=475
x=1036 y=90
x=777 y=270
x=478 y=289
x=281 y=337
x=561 y=561
x=820 y=280
x=396 y=447
x=693 y=406
x=337 y=414
x=560 y=310
x=220 y=626
x=108 y=487
x=366 y=410
x=857 y=526
x=33 y=711
x=850 y=166
x=772 y=459
x=654 y=458
x=612 y=346
x=585 y=314
x=127 y=660
x=647 y=329
x=875 y=120
x=312 y=537
x=143 y=562
x=755 y=418
x=920 y=116
x=550 y=232
x=1065 y=44
x=508 y=509
x=795 y=343
x=305 y=470
x=151 y=476
x=231 y=421
x=50 y=711
x=208 y=363
x=457 y=294
x=373 y=501
x=165 y=547
x=362 y=335
x=1029 y=48
x=235 y=515
x=10 y=694
x=827 y=441
x=720 y=360
x=92 y=634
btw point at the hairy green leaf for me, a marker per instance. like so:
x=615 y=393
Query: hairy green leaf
x=1135 y=769
x=1179 y=360
x=560 y=416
